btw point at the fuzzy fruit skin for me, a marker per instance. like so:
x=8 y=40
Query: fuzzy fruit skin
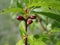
x=20 y=18
x=32 y=17
x=29 y=21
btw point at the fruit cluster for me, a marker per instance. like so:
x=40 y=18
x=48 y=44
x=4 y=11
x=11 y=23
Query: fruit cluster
x=29 y=19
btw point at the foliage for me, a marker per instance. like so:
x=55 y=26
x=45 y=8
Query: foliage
x=48 y=11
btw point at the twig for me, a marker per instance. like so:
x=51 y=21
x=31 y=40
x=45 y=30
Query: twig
x=40 y=21
x=25 y=40
x=26 y=16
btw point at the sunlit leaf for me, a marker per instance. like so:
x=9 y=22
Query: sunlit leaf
x=54 y=4
x=22 y=28
x=58 y=43
x=39 y=43
x=31 y=40
x=20 y=42
x=55 y=30
x=8 y=10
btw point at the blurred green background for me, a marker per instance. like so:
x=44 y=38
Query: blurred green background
x=9 y=34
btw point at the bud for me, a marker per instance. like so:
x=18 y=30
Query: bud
x=29 y=21
x=32 y=17
x=20 y=18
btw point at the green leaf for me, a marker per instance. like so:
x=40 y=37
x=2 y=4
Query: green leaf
x=30 y=40
x=40 y=36
x=31 y=27
x=22 y=28
x=50 y=15
x=20 y=42
x=58 y=43
x=26 y=2
x=56 y=24
x=55 y=30
x=33 y=41
x=8 y=10
x=39 y=43
x=19 y=4
x=54 y=4
x=37 y=36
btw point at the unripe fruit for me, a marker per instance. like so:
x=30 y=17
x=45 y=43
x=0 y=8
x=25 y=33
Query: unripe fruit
x=29 y=21
x=32 y=17
x=20 y=18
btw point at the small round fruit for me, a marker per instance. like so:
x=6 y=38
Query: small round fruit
x=29 y=21
x=20 y=18
x=32 y=17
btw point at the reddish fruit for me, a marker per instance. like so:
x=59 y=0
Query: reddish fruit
x=29 y=21
x=32 y=17
x=20 y=18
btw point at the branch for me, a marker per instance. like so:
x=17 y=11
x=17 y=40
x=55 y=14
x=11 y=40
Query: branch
x=40 y=21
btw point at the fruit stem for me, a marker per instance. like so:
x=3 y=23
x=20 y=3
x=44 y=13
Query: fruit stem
x=26 y=16
x=25 y=41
